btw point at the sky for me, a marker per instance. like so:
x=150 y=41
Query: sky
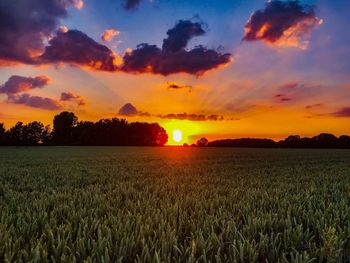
x=215 y=69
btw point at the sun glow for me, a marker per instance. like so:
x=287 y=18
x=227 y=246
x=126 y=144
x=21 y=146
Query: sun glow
x=177 y=136
x=181 y=131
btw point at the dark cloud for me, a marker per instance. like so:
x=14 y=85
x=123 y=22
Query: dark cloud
x=25 y=25
x=131 y=4
x=283 y=97
x=181 y=34
x=192 y=117
x=318 y=105
x=69 y=96
x=173 y=57
x=178 y=86
x=344 y=112
x=34 y=101
x=128 y=110
x=77 y=48
x=17 y=84
x=282 y=23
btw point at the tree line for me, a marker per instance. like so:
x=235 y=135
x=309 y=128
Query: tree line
x=323 y=140
x=67 y=130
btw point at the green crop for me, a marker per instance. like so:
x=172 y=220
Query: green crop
x=115 y=204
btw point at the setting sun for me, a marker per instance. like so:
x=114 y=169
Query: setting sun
x=177 y=136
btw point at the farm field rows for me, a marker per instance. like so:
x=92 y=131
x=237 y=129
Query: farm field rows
x=174 y=204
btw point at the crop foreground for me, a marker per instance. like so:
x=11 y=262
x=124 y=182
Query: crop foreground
x=108 y=204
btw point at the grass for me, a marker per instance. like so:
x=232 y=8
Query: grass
x=106 y=204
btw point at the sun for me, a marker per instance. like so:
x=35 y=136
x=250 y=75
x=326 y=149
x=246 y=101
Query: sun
x=177 y=136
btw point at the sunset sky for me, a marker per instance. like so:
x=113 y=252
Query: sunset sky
x=213 y=68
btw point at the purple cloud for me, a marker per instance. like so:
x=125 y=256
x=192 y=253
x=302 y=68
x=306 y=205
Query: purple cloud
x=77 y=48
x=16 y=84
x=173 y=57
x=24 y=26
x=34 y=101
x=344 y=112
x=69 y=96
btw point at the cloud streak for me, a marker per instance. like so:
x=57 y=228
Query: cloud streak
x=192 y=117
x=344 y=112
x=69 y=96
x=130 y=110
x=282 y=23
x=34 y=101
x=175 y=86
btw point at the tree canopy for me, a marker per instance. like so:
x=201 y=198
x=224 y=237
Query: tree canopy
x=67 y=130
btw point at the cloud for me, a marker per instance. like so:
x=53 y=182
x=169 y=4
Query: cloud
x=181 y=34
x=192 y=117
x=77 y=48
x=312 y=106
x=69 y=96
x=108 y=34
x=130 y=110
x=78 y=4
x=178 y=86
x=282 y=23
x=344 y=112
x=16 y=84
x=26 y=25
x=131 y=4
x=173 y=57
x=283 y=97
x=34 y=101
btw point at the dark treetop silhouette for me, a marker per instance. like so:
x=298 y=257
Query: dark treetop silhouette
x=67 y=130
x=324 y=140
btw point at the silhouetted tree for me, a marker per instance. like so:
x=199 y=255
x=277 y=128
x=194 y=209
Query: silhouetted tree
x=2 y=134
x=15 y=134
x=63 y=124
x=325 y=140
x=244 y=142
x=202 y=142
x=119 y=132
x=344 y=141
x=84 y=133
x=34 y=133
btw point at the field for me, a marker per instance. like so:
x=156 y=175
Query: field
x=107 y=204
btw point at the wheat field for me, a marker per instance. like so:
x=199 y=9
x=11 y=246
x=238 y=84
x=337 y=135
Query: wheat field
x=174 y=204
